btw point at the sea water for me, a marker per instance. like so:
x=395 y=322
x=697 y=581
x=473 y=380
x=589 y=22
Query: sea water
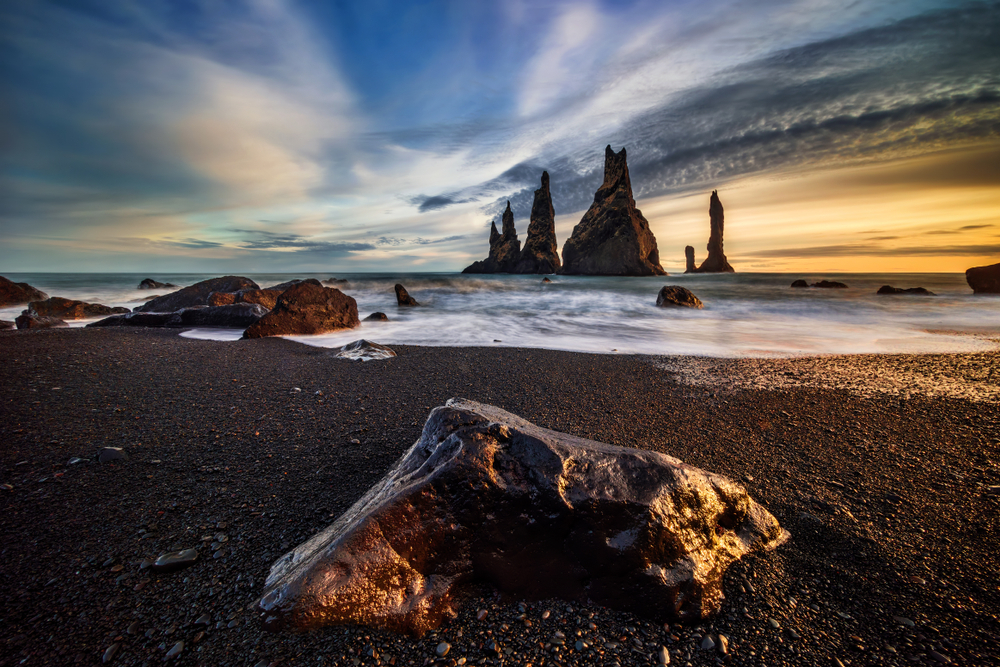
x=745 y=314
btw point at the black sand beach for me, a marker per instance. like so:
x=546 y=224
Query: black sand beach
x=891 y=496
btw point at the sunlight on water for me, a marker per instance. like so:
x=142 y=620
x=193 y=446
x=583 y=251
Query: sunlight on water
x=744 y=314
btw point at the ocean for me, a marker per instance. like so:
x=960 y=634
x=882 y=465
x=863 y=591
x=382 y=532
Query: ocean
x=745 y=314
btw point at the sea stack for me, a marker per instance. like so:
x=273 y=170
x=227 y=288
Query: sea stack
x=540 y=253
x=612 y=239
x=505 y=249
x=716 y=261
x=984 y=279
x=689 y=266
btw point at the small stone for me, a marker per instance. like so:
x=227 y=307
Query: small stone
x=442 y=649
x=723 y=645
x=481 y=614
x=146 y=562
x=837 y=662
x=142 y=584
x=902 y=620
x=296 y=390
x=118 y=568
x=793 y=634
x=107 y=454
x=662 y=656
x=546 y=614
x=175 y=560
x=198 y=637
x=773 y=623
x=707 y=643
x=174 y=651
x=233 y=623
x=133 y=628
x=580 y=645
x=110 y=653
x=204 y=619
x=943 y=659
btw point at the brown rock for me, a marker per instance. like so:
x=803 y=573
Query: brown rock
x=377 y=317
x=197 y=294
x=716 y=261
x=12 y=294
x=307 y=309
x=505 y=249
x=149 y=283
x=403 y=297
x=919 y=291
x=28 y=320
x=984 y=279
x=612 y=239
x=7 y=324
x=829 y=284
x=540 y=253
x=68 y=309
x=677 y=296
x=281 y=287
x=486 y=497
x=265 y=297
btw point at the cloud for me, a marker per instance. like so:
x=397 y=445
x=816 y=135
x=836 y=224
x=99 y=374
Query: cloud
x=396 y=242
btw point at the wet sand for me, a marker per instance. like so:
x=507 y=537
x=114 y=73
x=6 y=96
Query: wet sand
x=885 y=482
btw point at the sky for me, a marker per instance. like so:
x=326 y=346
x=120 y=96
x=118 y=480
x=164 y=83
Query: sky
x=341 y=137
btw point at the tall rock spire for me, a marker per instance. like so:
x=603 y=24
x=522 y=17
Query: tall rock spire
x=540 y=253
x=613 y=238
x=505 y=249
x=716 y=261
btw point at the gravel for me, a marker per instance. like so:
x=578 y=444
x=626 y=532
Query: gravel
x=886 y=494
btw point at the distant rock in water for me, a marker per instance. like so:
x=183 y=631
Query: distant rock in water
x=677 y=296
x=487 y=498
x=984 y=279
x=12 y=294
x=149 y=283
x=829 y=284
x=797 y=283
x=403 y=297
x=546 y=280
x=689 y=266
x=307 y=309
x=716 y=261
x=68 y=309
x=540 y=253
x=889 y=289
x=281 y=287
x=197 y=294
x=28 y=320
x=505 y=249
x=612 y=239
x=376 y=317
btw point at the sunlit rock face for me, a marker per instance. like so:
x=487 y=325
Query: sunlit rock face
x=69 y=309
x=306 y=308
x=984 y=279
x=716 y=261
x=485 y=496
x=612 y=238
x=196 y=295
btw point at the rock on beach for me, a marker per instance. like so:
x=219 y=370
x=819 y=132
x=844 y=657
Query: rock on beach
x=12 y=294
x=70 y=309
x=197 y=294
x=677 y=296
x=306 y=308
x=485 y=496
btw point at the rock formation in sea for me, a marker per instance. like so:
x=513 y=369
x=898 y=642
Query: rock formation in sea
x=197 y=294
x=689 y=266
x=796 y=283
x=716 y=261
x=678 y=297
x=485 y=497
x=12 y=294
x=918 y=291
x=403 y=297
x=376 y=317
x=829 y=284
x=540 y=253
x=613 y=238
x=307 y=309
x=505 y=249
x=149 y=283
x=29 y=320
x=984 y=279
x=69 y=309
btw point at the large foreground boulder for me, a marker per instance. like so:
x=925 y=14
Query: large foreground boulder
x=12 y=294
x=486 y=497
x=675 y=296
x=612 y=239
x=307 y=309
x=69 y=309
x=984 y=279
x=197 y=294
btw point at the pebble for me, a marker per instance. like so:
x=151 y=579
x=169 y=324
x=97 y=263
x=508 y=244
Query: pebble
x=707 y=643
x=174 y=651
x=723 y=644
x=793 y=634
x=110 y=653
x=175 y=560
x=773 y=623
x=481 y=614
x=107 y=454
x=204 y=619
x=943 y=659
x=546 y=614
x=442 y=649
x=902 y=620
x=133 y=628
x=663 y=656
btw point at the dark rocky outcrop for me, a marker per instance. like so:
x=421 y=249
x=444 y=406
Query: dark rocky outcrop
x=265 y=297
x=612 y=239
x=376 y=317
x=677 y=296
x=829 y=284
x=68 y=309
x=232 y=316
x=307 y=309
x=505 y=249
x=139 y=319
x=540 y=253
x=197 y=294
x=12 y=294
x=716 y=261
x=546 y=280
x=149 y=283
x=403 y=297
x=920 y=291
x=281 y=287
x=984 y=279
x=800 y=283
x=485 y=497
x=339 y=283
x=28 y=320
x=363 y=350
x=7 y=324
x=689 y=266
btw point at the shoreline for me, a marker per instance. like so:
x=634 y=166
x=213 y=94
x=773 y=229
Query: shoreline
x=880 y=493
